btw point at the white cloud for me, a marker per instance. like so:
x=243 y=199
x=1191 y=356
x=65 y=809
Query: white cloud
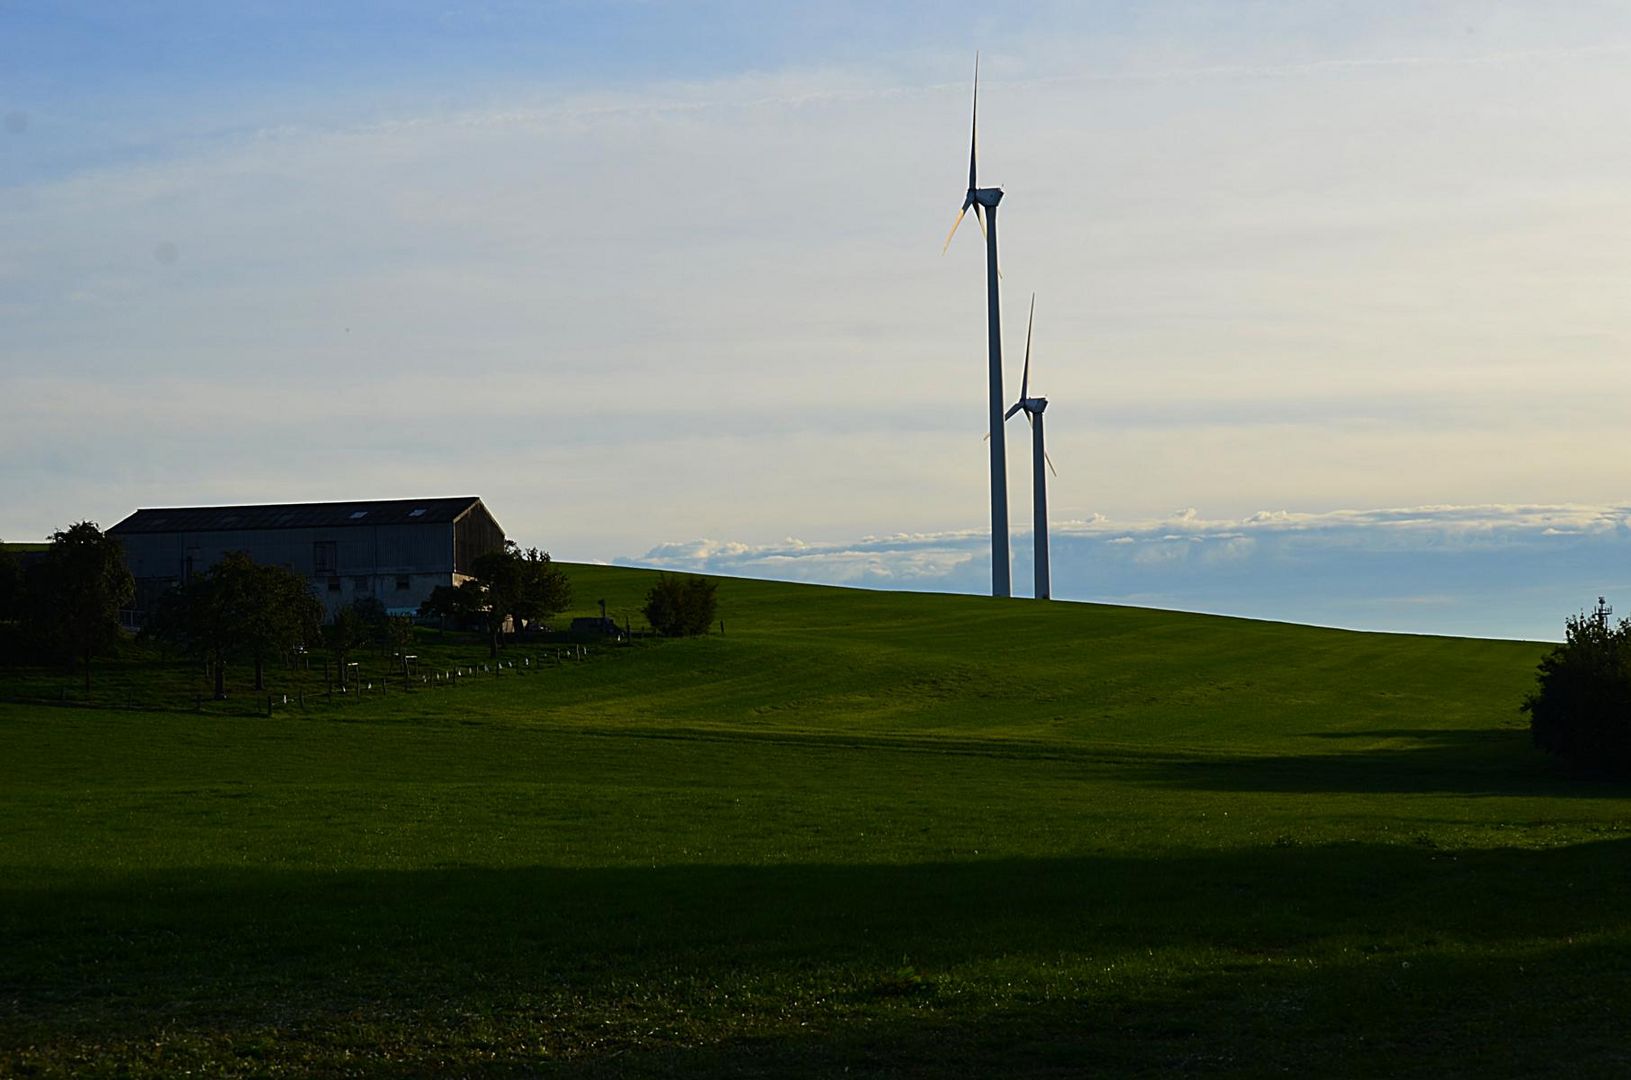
x=1488 y=570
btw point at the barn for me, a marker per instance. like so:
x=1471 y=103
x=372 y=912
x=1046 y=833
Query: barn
x=395 y=550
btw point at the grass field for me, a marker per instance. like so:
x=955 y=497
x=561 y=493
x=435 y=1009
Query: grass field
x=872 y=833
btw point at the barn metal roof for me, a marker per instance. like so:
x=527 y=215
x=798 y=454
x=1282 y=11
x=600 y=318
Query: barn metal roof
x=193 y=519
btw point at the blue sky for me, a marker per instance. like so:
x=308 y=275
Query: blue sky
x=662 y=282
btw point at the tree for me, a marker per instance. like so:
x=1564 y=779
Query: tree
x=72 y=596
x=347 y=633
x=444 y=602
x=371 y=611
x=1582 y=708
x=397 y=633
x=545 y=589
x=236 y=610
x=283 y=613
x=681 y=608
x=514 y=585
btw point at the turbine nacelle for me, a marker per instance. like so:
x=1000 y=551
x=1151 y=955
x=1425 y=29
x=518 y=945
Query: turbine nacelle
x=987 y=197
x=1031 y=405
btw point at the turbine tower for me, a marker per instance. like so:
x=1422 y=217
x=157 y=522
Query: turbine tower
x=986 y=199
x=1032 y=407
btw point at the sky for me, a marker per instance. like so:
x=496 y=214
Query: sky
x=1331 y=297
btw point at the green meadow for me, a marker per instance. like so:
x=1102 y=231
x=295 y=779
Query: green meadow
x=858 y=833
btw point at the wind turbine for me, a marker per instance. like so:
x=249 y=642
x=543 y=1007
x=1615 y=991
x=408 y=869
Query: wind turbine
x=1032 y=407
x=986 y=199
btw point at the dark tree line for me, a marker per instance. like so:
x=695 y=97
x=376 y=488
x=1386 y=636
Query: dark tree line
x=237 y=611
x=66 y=602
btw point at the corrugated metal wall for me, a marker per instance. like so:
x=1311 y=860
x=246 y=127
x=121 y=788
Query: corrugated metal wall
x=369 y=560
x=475 y=534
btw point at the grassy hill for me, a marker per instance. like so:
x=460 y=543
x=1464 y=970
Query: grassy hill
x=876 y=832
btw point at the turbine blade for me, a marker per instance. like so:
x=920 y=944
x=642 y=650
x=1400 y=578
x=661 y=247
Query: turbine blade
x=1025 y=381
x=974 y=124
x=1049 y=460
x=947 y=245
x=1012 y=409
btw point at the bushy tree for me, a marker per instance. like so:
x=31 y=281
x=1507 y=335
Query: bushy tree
x=71 y=597
x=444 y=602
x=236 y=610
x=344 y=635
x=384 y=630
x=397 y=633
x=545 y=590
x=678 y=607
x=1582 y=708
x=284 y=615
x=371 y=610
x=512 y=584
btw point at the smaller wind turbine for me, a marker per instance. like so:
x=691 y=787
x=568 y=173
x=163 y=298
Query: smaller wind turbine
x=1032 y=407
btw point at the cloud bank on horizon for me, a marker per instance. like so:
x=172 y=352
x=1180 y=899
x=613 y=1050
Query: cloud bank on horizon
x=632 y=271
x=1507 y=571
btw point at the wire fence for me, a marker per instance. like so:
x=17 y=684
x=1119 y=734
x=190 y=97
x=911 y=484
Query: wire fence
x=305 y=686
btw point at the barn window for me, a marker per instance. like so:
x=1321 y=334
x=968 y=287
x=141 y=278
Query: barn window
x=324 y=556
x=356 y=514
x=402 y=583
x=417 y=512
x=333 y=584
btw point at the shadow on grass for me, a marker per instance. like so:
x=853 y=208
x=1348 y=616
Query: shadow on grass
x=1481 y=762
x=1270 y=958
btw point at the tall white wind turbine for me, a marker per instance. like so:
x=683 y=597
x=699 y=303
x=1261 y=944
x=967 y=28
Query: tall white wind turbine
x=1032 y=407
x=986 y=199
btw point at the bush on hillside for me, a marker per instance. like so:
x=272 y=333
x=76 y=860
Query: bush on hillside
x=681 y=608
x=1582 y=709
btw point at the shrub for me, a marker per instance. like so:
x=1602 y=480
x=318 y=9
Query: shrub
x=681 y=608
x=1582 y=709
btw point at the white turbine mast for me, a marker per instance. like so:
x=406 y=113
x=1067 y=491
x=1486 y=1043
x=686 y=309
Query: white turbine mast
x=1032 y=407
x=985 y=200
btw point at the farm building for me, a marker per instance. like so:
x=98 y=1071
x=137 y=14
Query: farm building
x=396 y=550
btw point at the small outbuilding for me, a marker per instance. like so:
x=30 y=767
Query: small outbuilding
x=394 y=550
